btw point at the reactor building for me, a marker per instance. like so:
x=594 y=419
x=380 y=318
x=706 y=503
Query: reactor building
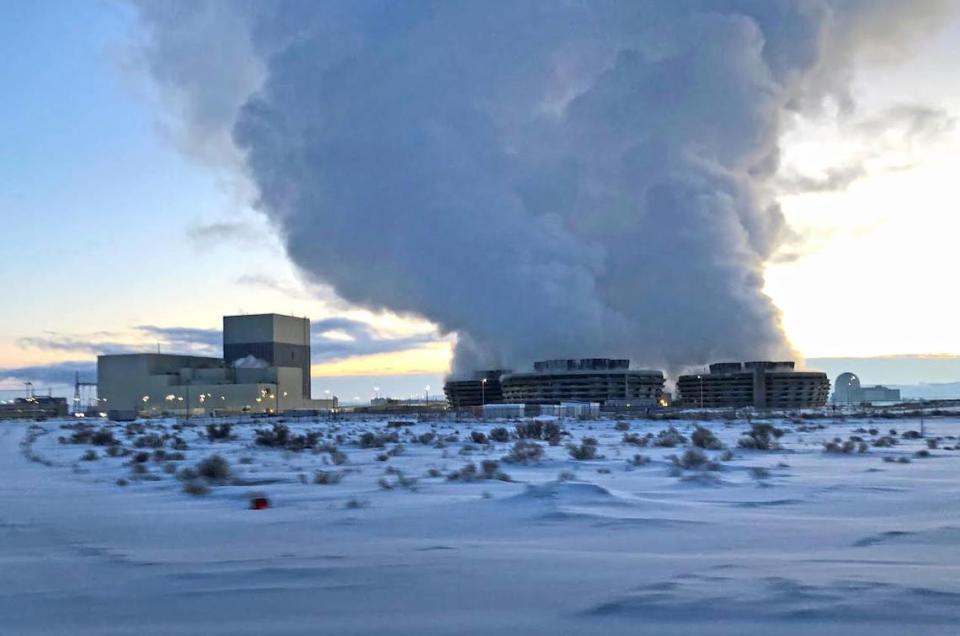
x=602 y=380
x=848 y=390
x=480 y=389
x=764 y=384
x=265 y=369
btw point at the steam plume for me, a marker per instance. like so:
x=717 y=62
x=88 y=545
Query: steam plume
x=542 y=178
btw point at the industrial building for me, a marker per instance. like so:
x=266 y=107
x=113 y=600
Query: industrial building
x=33 y=407
x=848 y=390
x=585 y=380
x=265 y=369
x=763 y=384
x=483 y=388
x=880 y=393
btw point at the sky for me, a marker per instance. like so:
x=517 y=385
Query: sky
x=116 y=241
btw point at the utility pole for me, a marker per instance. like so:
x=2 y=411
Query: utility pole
x=922 y=431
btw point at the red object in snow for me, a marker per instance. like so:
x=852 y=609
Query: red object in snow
x=259 y=503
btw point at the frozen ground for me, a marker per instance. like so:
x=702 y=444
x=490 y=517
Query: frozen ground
x=790 y=541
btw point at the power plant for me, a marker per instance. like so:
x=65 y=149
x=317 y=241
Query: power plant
x=848 y=390
x=483 y=388
x=597 y=380
x=612 y=384
x=763 y=384
x=265 y=369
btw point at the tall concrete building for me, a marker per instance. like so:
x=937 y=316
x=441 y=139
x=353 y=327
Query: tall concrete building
x=265 y=369
x=762 y=384
x=272 y=339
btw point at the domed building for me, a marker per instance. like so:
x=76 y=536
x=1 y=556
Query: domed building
x=847 y=390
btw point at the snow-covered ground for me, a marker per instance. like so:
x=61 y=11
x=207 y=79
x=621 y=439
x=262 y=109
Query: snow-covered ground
x=787 y=541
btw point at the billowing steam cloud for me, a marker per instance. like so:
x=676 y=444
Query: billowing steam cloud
x=544 y=178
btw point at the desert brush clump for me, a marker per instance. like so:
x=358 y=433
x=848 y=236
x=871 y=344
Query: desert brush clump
x=478 y=437
x=400 y=480
x=368 y=439
x=150 y=440
x=886 y=441
x=634 y=439
x=621 y=426
x=759 y=472
x=499 y=434
x=587 y=450
x=761 y=436
x=694 y=459
x=134 y=428
x=89 y=456
x=550 y=432
x=896 y=460
x=214 y=469
x=219 y=432
x=840 y=446
x=337 y=457
x=279 y=436
x=638 y=460
x=523 y=452
x=669 y=438
x=276 y=436
x=489 y=469
x=86 y=434
x=195 y=487
x=327 y=477
x=703 y=437
x=529 y=430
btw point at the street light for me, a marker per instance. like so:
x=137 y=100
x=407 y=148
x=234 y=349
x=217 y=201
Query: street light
x=483 y=392
x=700 y=377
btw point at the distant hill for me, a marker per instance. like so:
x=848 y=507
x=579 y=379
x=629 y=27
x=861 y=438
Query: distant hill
x=943 y=390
